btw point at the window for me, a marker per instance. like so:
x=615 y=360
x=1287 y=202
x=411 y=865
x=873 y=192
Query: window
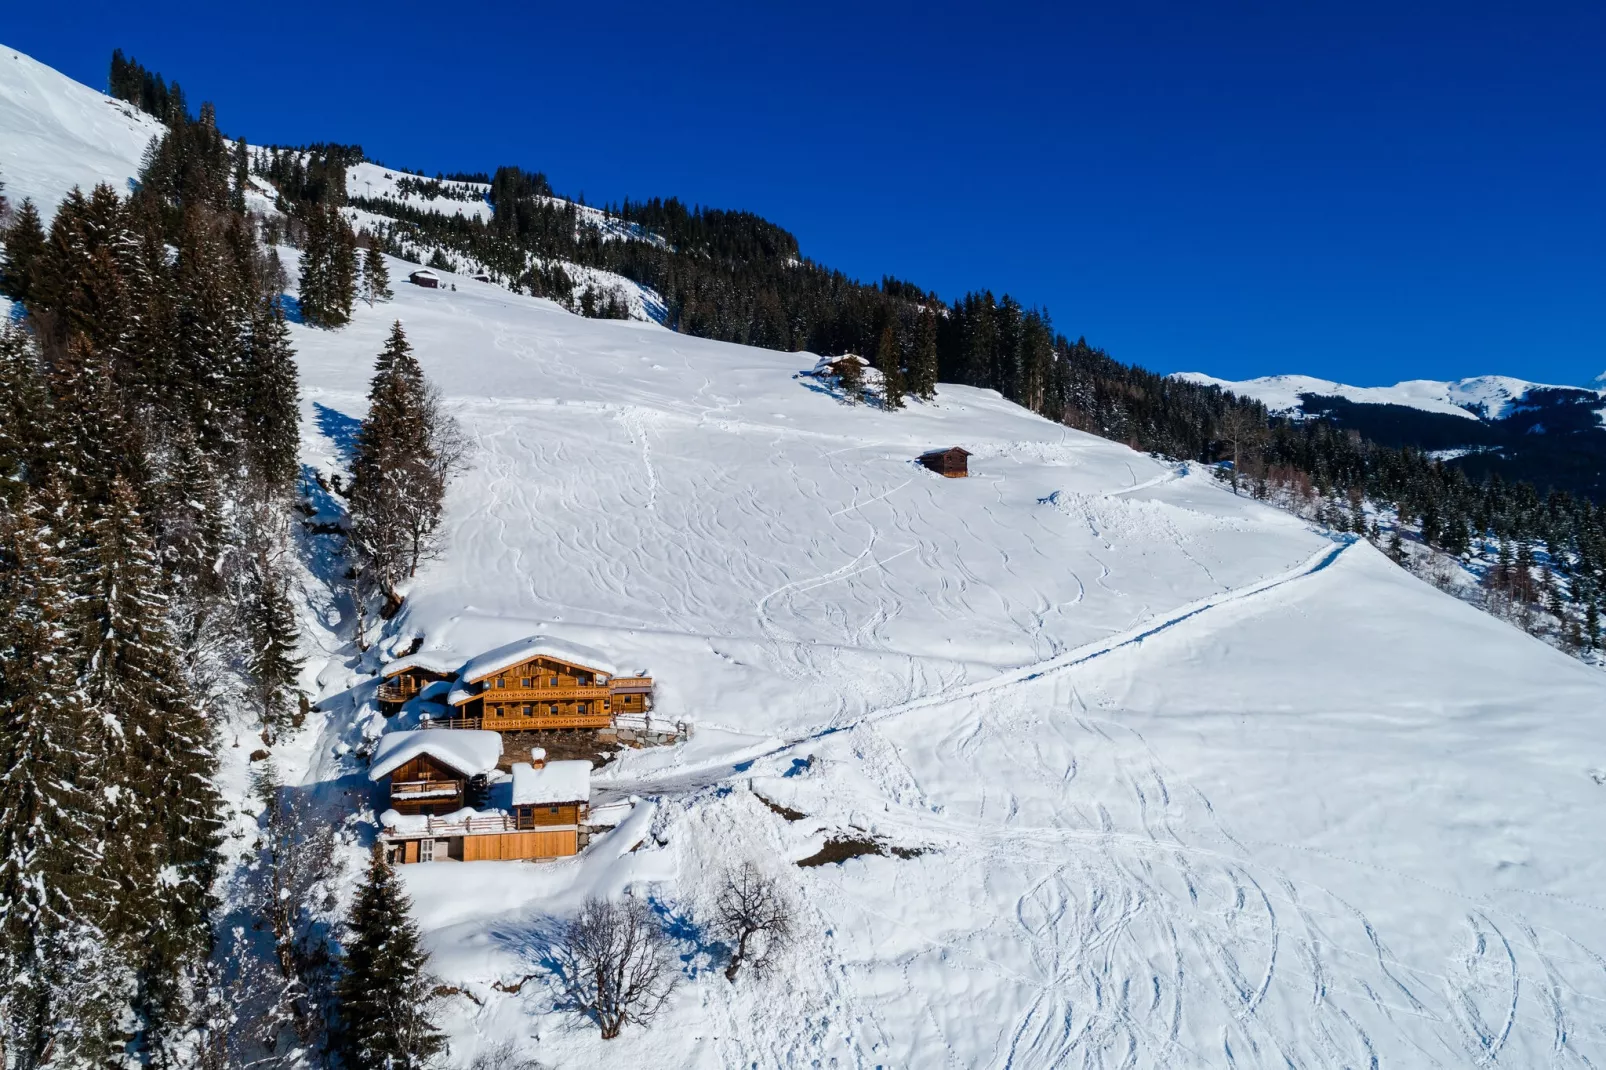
x=497 y=710
x=526 y=682
x=582 y=708
x=552 y=810
x=528 y=710
x=500 y=682
x=426 y=850
x=553 y=709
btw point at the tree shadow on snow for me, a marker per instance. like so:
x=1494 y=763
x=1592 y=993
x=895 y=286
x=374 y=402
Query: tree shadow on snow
x=705 y=953
x=292 y=308
x=338 y=428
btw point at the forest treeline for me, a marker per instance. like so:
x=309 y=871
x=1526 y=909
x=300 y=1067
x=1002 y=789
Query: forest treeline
x=149 y=480
x=736 y=277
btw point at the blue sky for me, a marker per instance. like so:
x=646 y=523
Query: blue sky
x=1366 y=192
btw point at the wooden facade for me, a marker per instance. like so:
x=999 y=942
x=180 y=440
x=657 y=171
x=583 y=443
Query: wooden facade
x=425 y=278
x=529 y=833
x=402 y=686
x=427 y=785
x=952 y=462
x=544 y=693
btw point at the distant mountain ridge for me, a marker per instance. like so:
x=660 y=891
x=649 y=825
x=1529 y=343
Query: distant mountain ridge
x=1549 y=435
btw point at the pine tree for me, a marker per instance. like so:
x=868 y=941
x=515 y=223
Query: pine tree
x=25 y=244
x=375 y=276
x=923 y=361
x=273 y=665
x=272 y=411
x=58 y=994
x=384 y=994
x=397 y=480
x=889 y=361
x=154 y=746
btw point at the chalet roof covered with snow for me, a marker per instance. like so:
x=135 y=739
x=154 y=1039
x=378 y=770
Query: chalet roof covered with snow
x=470 y=752
x=423 y=273
x=535 y=646
x=555 y=782
x=435 y=661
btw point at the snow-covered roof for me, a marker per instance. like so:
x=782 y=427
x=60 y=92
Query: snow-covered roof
x=946 y=449
x=469 y=752
x=424 y=272
x=445 y=664
x=536 y=646
x=555 y=782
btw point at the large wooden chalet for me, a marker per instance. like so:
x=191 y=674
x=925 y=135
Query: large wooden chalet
x=450 y=803
x=535 y=684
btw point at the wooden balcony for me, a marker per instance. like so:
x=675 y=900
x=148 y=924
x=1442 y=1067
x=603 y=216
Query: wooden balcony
x=393 y=693
x=425 y=789
x=575 y=692
x=540 y=722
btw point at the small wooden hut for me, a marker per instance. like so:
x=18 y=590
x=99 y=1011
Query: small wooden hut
x=951 y=462
x=425 y=278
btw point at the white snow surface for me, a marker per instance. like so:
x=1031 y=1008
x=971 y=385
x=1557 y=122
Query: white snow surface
x=1191 y=783
x=1194 y=783
x=534 y=646
x=56 y=134
x=1491 y=396
x=469 y=751
x=555 y=782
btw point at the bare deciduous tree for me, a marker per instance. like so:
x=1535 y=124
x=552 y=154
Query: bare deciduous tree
x=614 y=964
x=1243 y=428
x=755 y=916
x=504 y=1055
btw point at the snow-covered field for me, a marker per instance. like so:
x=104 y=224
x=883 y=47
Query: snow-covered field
x=1196 y=785
x=1192 y=784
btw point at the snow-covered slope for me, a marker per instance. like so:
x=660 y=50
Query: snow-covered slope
x=1194 y=783
x=1488 y=396
x=1177 y=780
x=56 y=134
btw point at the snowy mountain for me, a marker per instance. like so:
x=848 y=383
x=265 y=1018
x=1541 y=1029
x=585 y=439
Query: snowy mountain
x=1550 y=436
x=1175 y=779
x=1485 y=397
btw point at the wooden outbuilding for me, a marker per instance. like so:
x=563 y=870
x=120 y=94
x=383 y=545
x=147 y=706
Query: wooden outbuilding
x=951 y=462
x=425 y=278
x=435 y=772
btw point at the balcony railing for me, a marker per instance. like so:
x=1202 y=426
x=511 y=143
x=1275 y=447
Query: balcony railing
x=543 y=694
x=394 y=693
x=514 y=723
x=425 y=789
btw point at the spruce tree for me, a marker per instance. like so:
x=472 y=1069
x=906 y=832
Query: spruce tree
x=25 y=244
x=923 y=361
x=272 y=411
x=384 y=994
x=59 y=995
x=154 y=747
x=375 y=275
x=889 y=361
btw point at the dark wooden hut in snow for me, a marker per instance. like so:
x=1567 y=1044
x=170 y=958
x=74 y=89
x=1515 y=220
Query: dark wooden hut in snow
x=950 y=462
x=425 y=278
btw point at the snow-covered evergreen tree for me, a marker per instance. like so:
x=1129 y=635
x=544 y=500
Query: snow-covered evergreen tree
x=384 y=994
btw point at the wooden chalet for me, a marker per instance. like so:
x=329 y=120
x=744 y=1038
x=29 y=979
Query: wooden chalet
x=538 y=684
x=425 y=278
x=411 y=677
x=951 y=462
x=435 y=772
x=535 y=812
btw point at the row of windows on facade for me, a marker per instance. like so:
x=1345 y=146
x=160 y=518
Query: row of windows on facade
x=528 y=681
x=527 y=711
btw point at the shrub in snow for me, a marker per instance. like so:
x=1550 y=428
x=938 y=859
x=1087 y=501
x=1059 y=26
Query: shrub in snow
x=754 y=916
x=614 y=964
